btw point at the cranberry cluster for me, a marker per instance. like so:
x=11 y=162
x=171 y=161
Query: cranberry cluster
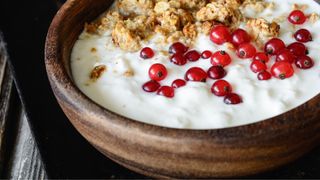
x=285 y=55
x=282 y=68
x=180 y=56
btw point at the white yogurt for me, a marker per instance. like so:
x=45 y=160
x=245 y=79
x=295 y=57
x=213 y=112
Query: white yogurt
x=194 y=106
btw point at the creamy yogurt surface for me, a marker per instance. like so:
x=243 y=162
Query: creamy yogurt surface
x=194 y=106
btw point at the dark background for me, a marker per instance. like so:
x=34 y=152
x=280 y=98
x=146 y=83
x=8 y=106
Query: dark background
x=65 y=153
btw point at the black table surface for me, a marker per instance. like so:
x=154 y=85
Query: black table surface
x=66 y=154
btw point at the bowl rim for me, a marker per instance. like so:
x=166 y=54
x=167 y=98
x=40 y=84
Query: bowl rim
x=66 y=88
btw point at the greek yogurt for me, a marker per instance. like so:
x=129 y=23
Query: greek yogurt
x=194 y=106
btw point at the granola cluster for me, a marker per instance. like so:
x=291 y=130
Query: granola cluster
x=261 y=30
x=132 y=21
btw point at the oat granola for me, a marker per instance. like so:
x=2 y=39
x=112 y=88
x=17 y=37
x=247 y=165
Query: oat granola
x=97 y=72
x=133 y=21
x=262 y=30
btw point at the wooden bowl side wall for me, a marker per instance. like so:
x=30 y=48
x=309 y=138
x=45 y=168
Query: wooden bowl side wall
x=166 y=152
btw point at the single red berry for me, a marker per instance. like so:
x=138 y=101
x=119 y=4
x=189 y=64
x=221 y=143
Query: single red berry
x=258 y=66
x=196 y=74
x=178 y=83
x=151 y=86
x=239 y=36
x=282 y=70
x=304 y=62
x=303 y=35
x=297 y=17
x=146 y=53
x=216 y=72
x=177 y=47
x=193 y=55
x=298 y=49
x=261 y=56
x=232 y=98
x=264 y=75
x=178 y=59
x=166 y=91
x=285 y=55
x=206 y=54
x=220 y=58
x=274 y=46
x=221 y=88
x=220 y=34
x=246 y=50
x=158 y=72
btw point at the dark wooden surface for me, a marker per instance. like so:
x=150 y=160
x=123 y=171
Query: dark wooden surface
x=19 y=155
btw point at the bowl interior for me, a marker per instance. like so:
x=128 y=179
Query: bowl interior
x=65 y=29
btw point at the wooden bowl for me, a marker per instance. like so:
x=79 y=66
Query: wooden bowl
x=166 y=152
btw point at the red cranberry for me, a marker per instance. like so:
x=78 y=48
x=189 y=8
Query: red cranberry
x=303 y=35
x=232 y=98
x=274 y=46
x=151 y=86
x=240 y=36
x=282 y=70
x=146 y=53
x=177 y=47
x=246 y=50
x=264 y=75
x=206 y=54
x=258 y=66
x=196 y=74
x=178 y=59
x=193 y=55
x=285 y=55
x=261 y=56
x=304 y=62
x=158 y=72
x=297 y=17
x=216 y=72
x=220 y=34
x=298 y=49
x=166 y=91
x=220 y=58
x=178 y=83
x=221 y=88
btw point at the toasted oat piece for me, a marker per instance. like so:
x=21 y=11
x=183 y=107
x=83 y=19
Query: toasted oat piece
x=132 y=7
x=137 y=23
x=109 y=20
x=177 y=36
x=97 y=72
x=258 y=5
x=217 y=11
x=128 y=73
x=281 y=19
x=235 y=4
x=141 y=25
x=185 y=17
x=193 y=4
x=91 y=28
x=161 y=7
x=301 y=7
x=261 y=29
x=170 y=21
x=125 y=38
x=190 y=31
x=313 y=17
x=206 y=27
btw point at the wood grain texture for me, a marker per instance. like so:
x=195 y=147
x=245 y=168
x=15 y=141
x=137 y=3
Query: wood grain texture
x=166 y=152
x=5 y=94
x=25 y=162
x=19 y=156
